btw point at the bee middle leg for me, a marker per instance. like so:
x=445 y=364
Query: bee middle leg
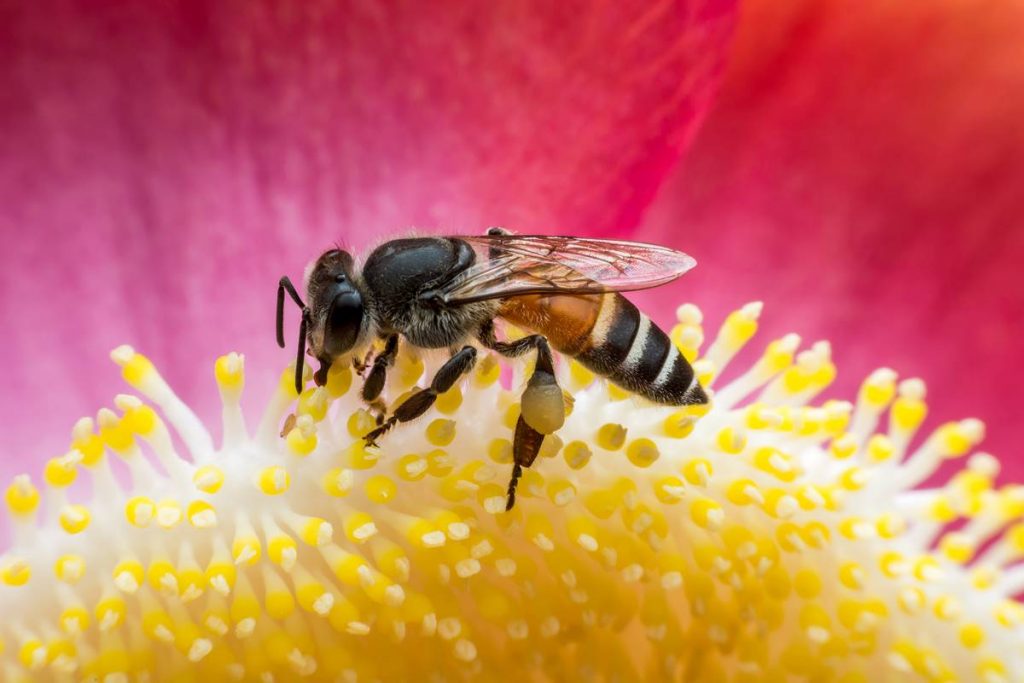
x=374 y=383
x=543 y=408
x=446 y=376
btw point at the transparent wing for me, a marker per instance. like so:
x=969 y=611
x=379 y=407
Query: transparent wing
x=514 y=265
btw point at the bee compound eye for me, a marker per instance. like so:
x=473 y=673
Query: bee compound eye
x=344 y=321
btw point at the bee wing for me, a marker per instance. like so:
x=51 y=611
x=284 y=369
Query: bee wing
x=514 y=265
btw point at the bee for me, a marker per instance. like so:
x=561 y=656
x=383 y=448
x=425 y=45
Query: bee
x=446 y=292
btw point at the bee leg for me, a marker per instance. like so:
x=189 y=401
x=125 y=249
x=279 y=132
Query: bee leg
x=417 y=404
x=374 y=383
x=543 y=406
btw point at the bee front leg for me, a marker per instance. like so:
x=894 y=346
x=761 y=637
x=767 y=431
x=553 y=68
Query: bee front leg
x=542 y=404
x=446 y=376
x=374 y=383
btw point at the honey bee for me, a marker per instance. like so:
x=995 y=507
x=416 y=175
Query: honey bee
x=445 y=292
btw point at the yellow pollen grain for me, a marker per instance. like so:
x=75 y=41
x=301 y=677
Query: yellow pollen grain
x=61 y=472
x=441 y=432
x=229 y=371
x=360 y=423
x=208 y=478
x=140 y=511
x=15 y=571
x=69 y=568
x=22 y=497
x=576 y=454
x=201 y=514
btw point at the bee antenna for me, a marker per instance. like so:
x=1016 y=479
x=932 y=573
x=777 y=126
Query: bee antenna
x=285 y=285
x=301 y=354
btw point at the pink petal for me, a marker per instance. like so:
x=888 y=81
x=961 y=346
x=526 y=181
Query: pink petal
x=863 y=174
x=164 y=163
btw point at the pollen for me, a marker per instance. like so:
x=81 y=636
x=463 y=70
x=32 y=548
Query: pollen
x=769 y=535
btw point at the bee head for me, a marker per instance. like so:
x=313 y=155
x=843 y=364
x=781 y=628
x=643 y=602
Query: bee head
x=336 y=313
x=334 y=319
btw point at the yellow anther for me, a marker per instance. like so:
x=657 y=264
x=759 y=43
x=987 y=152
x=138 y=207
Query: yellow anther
x=853 y=479
x=540 y=532
x=339 y=379
x=360 y=423
x=282 y=549
x=842 y=447
x=32 y=655
x=441 y=432
x=440 y=464
x=135 y=368
x=511 y=416
x=22 y=496
x=941 y=509
x=815 y=534
x=561 y=492
x=140 y=419
x=837 y=417
x=581 y=376
x=890 y=525
x=1009 y=613
x=778 y=355
x=955 y=439
x=381 y=488
x=705 y=371
x=744 y=492
x=338 y=482
x=642 y=452
x=757 y=416
x=947 y=608
x=927 y=569
x=879 y=388
x=780 y=504
x=776 y=463
x=140 y=511
x=163 y=577
x=893 y=564
x=957 y=547
x=114 y=432
x=852 y=575
x=15 y=571
x=707 y=513
x=908 y=412
x=110 y=612
x=128 y=575
x=731 y=440
x=698 y=471
x=500 y=451
x=669 y=489
x=312 y=594
x=60 y=472
x=413 y=467
x=449 y=402
x=611 y=437
x=245 y=548
x=168 y=513
x=359 y=527
x=313 y=402
x=740 y=326
x=208 y=478
x=273 y=480
x=74 y=620
x=74 y=519
x=91 y=448
x=985 y=577
x=69 y=568
x=972 y=636
x=201 y=514
x=807 y=583
x=679 y=424
x=576 y=454
x=229 y=370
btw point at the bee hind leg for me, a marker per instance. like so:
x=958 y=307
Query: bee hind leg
x=447 y=375
x=542 y=404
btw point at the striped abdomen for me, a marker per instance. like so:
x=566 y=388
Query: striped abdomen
x=607 y=334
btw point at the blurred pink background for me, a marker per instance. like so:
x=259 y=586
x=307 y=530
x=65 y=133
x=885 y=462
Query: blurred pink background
x=857 y=167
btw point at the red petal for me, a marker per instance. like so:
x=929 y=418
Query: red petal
x=165 y=163
x=863 y=174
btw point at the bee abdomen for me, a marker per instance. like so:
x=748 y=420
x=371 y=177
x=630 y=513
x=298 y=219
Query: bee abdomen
x=630 y=350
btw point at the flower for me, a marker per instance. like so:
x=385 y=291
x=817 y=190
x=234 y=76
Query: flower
x=768 y=536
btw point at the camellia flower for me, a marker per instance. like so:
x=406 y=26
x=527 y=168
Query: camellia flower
x=766 y=537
